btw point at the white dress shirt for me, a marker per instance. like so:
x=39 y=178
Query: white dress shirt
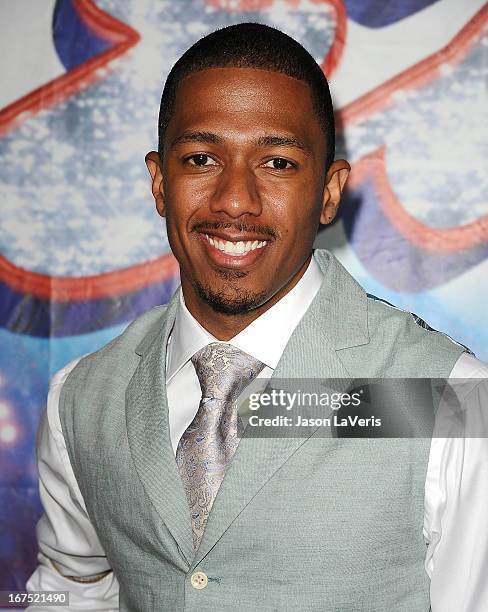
x=456 y=492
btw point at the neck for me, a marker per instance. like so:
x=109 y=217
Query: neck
x=225 y=326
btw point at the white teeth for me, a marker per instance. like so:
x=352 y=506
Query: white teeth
x=236 y=248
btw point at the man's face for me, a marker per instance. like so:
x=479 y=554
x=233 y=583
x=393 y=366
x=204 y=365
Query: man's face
x=243 y=185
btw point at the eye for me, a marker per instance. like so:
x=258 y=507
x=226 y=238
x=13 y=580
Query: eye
x=200 y=159
x=279 y=163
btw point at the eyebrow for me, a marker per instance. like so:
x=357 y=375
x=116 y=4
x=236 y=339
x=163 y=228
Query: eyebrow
x=208 y=137
x=270 y=140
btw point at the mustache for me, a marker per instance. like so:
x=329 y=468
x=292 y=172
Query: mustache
x=264 y=230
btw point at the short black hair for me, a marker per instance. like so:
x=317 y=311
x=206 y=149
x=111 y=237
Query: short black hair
x=252 y=45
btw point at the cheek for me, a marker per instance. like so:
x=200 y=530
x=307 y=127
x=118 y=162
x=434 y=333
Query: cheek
x=191 y=193
x=183 y=199
x=293 y=208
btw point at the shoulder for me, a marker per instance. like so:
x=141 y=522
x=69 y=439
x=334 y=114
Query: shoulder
x=406 y=345
x=54 y=465
x=108 y=357
x=85 y=387
x=383 y=315
x=50 y=423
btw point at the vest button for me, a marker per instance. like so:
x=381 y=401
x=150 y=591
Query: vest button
x=199 y=580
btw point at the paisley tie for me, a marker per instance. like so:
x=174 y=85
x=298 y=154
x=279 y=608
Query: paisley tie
x=209 y=442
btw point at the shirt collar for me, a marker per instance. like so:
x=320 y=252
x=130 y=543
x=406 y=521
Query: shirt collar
x=265 y=338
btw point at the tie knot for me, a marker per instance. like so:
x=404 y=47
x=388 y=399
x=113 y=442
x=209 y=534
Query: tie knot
x=224 y=370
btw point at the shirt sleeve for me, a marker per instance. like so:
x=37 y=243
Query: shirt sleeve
x=70 y=555
x=456 y=502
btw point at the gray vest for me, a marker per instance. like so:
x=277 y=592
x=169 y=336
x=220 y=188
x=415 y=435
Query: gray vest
x=319 y=524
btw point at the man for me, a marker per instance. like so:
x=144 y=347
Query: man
x=152 y=501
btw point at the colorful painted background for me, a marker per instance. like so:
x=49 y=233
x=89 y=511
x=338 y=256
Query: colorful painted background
x=83 y=251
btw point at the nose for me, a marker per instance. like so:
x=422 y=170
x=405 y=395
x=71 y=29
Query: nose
x=236 y=193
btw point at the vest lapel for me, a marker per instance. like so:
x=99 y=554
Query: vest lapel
x=149 y=435
x=336 y=319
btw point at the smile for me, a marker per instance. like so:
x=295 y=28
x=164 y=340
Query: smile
x=236 y=249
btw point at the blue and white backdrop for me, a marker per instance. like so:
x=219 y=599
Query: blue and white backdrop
x=83 y=251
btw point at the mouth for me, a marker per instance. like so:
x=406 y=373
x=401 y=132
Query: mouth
x=233 y=251
x=234 y=247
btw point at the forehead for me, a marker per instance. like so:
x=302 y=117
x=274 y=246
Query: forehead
x=245 y=100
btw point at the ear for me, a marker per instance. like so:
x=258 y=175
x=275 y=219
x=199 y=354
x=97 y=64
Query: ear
x=334 y=185
x=153 y=163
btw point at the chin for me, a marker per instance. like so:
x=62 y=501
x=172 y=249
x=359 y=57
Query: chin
x=235 y=303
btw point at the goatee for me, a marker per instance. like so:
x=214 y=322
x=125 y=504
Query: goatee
x=241 y=301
